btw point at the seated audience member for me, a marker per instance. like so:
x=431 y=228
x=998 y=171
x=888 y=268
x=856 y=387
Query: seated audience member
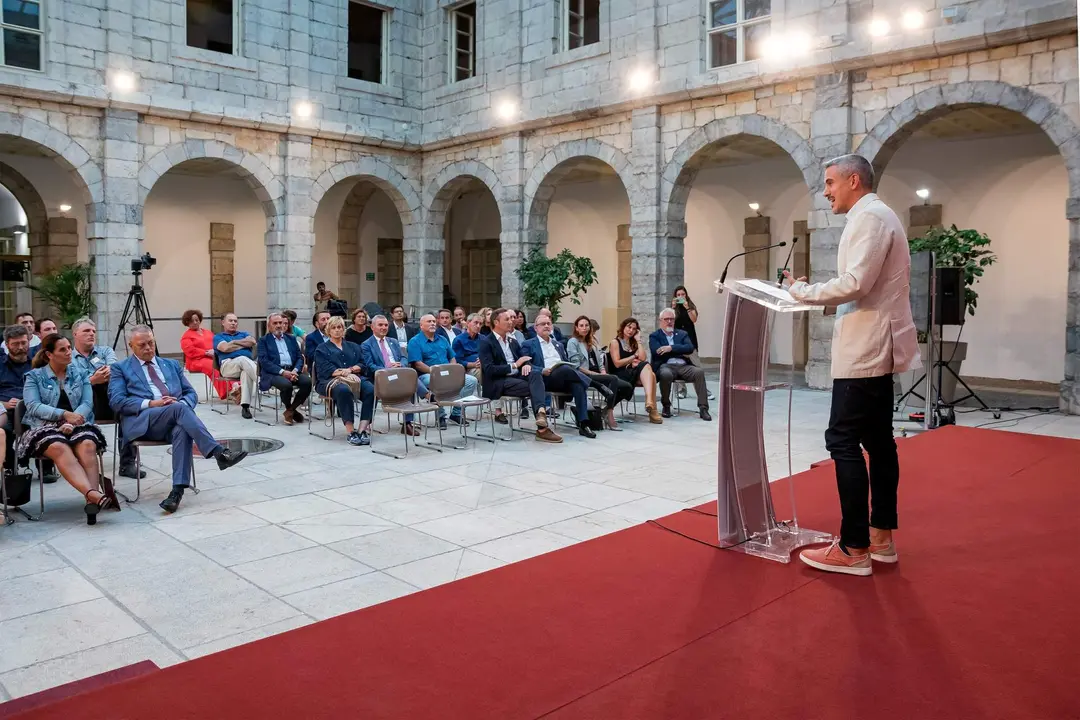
x=281 y=365
x=508 y=373
x=96 y=361
x=155 y=402
x=339 y=371
x=626 y=356
x=459 y=319
x=382 y=353
x=466 y=346
x=446 y=326
x=236 y=360
x=60 y=413
x=585 y=351
x=400 y=329
x=14 y=366
x=45 y=327
x=430 y=348
x=316 y=337
x=549 y=358
x=530 y=332
x=27 y=321
x=485 y=320
x=359 y=331
x=520 y=326
x=671 y=350
x=294 y=329
x=197 y=344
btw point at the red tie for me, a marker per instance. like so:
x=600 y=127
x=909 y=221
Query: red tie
x=156 y=379
x=385 y=354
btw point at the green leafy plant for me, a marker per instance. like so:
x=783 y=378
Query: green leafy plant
x=965 y=249
x=547 y=281
x=67 y=290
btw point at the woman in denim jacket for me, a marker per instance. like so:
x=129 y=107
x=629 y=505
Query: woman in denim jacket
x=60 y=413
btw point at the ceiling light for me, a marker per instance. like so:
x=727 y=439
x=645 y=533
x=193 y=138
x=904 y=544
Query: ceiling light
x=879 y=27
x=507 y=110
x=122 y=81
x=304 y=109
x=913 y=19
x=65 y=207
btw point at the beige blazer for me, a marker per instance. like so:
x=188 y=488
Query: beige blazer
x=874 y=333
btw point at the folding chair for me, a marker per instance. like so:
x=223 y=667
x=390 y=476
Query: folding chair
x=395 y=390
x=230 y=383
x=271 y=392
x=328 y=410
x=445 y=383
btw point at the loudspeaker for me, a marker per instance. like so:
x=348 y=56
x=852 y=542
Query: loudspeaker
x=950 y=302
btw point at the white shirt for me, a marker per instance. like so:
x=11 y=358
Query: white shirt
x=401 y=333
x=551 y=353
x=507 y=353
x=450 y=333
x=285 y=360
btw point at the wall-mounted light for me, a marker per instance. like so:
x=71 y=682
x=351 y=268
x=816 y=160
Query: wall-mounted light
x=923 y=195
x=506 y=110
x=122 y=81
x=304 y=109
x=640 y=80
x=879 y=27
x=65 y=207
x=756 y=207
x=913 y=19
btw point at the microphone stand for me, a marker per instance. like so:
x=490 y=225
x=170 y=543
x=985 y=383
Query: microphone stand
x=723 y=275
x=787 y=261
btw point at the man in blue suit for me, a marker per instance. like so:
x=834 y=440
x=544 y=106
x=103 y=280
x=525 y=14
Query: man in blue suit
x=380 y=352
x=530 y=332
x=282 y=366
x=316 y=337
x=156 y=402
x=670 y=351
x=547 y=353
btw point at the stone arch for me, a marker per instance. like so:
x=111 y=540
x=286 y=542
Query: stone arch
x=260 y=178
x=379 y=173
x=916 y=112
x=679 y=173
x=69 y=152
x=540 y=187
x=43 y=257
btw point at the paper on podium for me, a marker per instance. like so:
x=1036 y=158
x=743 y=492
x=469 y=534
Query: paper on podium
x=765 y=293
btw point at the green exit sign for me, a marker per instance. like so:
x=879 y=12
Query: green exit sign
x=370 y=276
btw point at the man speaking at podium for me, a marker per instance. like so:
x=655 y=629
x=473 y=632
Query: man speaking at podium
x=873 y=338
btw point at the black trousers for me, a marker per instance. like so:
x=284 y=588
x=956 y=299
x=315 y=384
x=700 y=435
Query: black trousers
x=622 y=389
x=531 y=387
x=565 y=379
x=286 y=387
x=861 y=417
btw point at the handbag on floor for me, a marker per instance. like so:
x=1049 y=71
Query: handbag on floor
x=595 y=420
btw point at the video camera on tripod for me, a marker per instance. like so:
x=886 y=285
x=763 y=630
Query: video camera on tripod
x=143 y=262
x=136 y=311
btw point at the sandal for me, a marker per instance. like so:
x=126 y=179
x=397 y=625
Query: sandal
x=93 y=508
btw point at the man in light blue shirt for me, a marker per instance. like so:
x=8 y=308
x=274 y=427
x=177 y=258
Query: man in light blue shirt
x=233 y=348
x=430 y=348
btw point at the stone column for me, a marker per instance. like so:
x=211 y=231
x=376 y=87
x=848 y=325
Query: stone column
x=422 y=251
x=222 y=275
x=922 y=219
x=757 y=234
x=657 y=261
x=114 y=227
x=831 y=131
x=624 y=246
x=1070 y=388
x=800 y=267
x=516 y=241
x=291 y=236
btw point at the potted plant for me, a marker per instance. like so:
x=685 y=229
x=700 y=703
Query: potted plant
x=546 y=282
x=67 y=290
x=969 y=251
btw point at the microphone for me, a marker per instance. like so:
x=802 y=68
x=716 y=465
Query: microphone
x=787 y=261
x=723 y=275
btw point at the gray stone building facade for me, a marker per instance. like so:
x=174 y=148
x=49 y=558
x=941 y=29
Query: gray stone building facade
x=510 y=94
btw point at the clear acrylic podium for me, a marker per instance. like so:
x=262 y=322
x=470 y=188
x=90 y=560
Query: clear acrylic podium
x=747 y=518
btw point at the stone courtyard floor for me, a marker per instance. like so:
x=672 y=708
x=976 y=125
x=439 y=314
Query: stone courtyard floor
x=320 y=528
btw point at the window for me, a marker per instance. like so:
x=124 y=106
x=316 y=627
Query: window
x=463 y=42
x=367 y=42
x=737 y=30
x=212 y=25
x=581 y=23
x=23 y=45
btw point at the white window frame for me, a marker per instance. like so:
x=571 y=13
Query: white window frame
x=577 y=8
x=739 y=26
x=39 y=31
x=384 y=60
x=236 y=15
x=455 y=16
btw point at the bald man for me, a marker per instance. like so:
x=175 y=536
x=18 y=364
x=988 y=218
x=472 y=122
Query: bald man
x=430 y=348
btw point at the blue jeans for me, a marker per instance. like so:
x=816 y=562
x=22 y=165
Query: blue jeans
x=343 y=399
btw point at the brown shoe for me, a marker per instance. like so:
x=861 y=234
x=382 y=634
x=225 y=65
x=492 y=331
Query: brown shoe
x=234 y=394
x=548 y=435
x=289 y=417
x=541 y=421
x=654 y=417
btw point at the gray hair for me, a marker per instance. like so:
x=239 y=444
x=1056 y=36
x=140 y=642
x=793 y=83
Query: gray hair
x=15 y=331
x=379 y=317
x=854 y=165
x=665 y=311
x=271 y=316
x=80 y=322
x=141 y=330
x=473 y=316
x=425 y=316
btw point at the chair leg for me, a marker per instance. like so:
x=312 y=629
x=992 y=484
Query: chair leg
x=387 y=453
x=259 y=409
x=328 y=405
x=41 y=496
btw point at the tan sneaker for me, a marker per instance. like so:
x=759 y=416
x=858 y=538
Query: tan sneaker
x=885 y=552
x=541 y=419
x=654 y=417
x=833 y=559
x=548 y=435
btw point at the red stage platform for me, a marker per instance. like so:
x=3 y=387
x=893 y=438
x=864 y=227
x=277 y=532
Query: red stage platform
x=977 y=620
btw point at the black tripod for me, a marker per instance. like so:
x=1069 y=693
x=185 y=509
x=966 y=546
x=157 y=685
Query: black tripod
x=136 y=311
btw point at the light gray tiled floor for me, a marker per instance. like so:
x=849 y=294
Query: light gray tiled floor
x=319 y=528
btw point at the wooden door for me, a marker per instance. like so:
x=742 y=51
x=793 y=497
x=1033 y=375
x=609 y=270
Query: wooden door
x=481 y=274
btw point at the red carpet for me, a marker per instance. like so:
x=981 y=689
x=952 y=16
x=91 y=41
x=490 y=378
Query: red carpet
x=976 y=621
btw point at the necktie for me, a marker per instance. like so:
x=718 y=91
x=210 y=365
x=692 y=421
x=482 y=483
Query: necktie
x=385 y=354
x=156 y=379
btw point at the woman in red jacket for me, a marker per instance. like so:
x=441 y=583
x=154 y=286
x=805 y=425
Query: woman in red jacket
x=198 y=345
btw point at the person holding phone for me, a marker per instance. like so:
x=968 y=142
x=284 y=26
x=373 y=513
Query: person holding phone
x=686 y=317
